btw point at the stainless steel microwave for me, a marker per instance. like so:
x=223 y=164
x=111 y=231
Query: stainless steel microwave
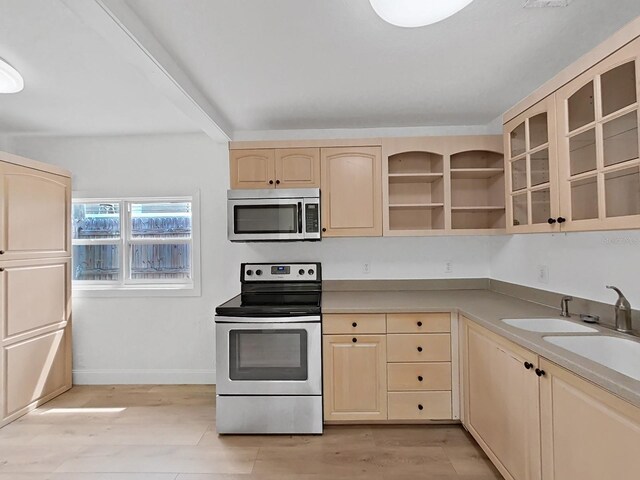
x=273 y=215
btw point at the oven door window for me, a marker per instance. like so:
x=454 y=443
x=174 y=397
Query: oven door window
x=268 y=355
x=249 y=219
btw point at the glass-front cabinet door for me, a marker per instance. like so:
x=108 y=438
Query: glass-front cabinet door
x=531 y=170
x=599 y=165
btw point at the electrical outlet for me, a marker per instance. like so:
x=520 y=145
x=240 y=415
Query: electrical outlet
x=448 y=266
x=543 y=274
x=366 y=268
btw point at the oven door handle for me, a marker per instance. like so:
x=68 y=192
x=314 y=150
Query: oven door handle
x=268 y=320
x=300 y=217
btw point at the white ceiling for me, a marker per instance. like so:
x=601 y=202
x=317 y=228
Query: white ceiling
x=292 y=64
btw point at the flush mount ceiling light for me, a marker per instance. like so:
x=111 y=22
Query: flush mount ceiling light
x=10 y=79
x=416 y=13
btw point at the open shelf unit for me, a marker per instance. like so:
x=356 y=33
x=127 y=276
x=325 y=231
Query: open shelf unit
x=444 y=185
x=416 y=191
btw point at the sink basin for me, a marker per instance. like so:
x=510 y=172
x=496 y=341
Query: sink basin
x=548 y=325
x=619 y=354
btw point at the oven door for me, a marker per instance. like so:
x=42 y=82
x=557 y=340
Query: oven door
x=265 y=219
x=266 y=358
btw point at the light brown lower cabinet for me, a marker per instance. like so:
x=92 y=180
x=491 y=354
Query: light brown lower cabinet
x=373 y=375
x=355 y=380
x=540 y=421
x=587 y=433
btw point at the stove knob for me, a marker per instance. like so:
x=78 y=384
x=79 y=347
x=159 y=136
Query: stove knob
x=258 y=272
x=301 y=271
x=311 y=272
x=249 y=272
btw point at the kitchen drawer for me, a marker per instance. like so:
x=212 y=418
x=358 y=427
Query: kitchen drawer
x=419 y=405
x=419 y=376
x=337 y=324
x=432 y=347
x=419 y=322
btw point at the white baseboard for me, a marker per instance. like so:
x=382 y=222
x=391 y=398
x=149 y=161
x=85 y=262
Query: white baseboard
x=144 y=377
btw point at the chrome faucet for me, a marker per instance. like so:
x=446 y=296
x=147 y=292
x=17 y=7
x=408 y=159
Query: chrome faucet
x=564 y=306
x=623 y=312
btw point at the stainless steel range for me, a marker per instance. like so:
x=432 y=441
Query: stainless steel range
x=268 y=351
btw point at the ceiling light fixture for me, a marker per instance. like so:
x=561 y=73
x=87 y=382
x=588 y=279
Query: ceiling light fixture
x=416 y=13
x=10 y=79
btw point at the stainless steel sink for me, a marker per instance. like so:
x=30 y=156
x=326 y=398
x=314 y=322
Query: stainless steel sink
x=548 y=325
x=617 y=353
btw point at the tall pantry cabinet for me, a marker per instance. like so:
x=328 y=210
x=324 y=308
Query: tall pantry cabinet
x=35 y=284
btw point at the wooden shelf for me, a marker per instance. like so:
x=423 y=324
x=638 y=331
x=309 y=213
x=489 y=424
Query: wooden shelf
x=486 y=208
x=417 y=205
x=415 y=177
x=473 y=173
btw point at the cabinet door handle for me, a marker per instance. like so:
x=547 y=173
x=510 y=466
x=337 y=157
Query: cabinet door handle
x=1 y=269
x=561 y=219
x=324 y=229
x=270 y=182
x=419 y=349
x=419 y=324
x=420 y=407
x=420 y=378
x=277 y=182
x=540 y=373
x=354 y=324
x=551 y=221
x=528 y=365
x=354 y=339
x=1 y=252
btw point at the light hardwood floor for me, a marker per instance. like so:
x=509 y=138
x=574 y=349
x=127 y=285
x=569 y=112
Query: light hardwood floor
x=168 y=433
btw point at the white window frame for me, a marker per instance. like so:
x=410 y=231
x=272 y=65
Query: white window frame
x=141 y=287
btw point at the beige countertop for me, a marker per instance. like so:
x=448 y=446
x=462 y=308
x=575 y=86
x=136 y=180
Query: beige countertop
x=487 y=308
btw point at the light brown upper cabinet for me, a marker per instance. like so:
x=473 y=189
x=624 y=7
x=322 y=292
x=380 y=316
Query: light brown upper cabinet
x=33 y=200
x=351 y=192
x=532 y=197
x=443 y=185
x=275 y=168
x=599 y=165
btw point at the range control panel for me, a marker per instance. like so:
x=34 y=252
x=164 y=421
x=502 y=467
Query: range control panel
x=273 y=272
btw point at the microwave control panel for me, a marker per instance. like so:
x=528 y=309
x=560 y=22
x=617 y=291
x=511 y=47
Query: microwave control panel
x=312 y=218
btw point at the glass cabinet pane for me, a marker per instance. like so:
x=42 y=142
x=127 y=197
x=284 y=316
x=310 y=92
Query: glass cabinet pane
x=160 y=261
x=540 y=206
x=519 y=174
x=96 y=262
x=518 y=145
x=622 y=191
x=520 y=209
x=166 y=220
x=538 y=132
x=539 y=167
x=584 y=199
x=582 y=152
x=618 y=88
x=581 y=109
x=621 y=139
x=96 y=220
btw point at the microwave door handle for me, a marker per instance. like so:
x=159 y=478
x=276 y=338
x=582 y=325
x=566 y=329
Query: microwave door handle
x=299 y=217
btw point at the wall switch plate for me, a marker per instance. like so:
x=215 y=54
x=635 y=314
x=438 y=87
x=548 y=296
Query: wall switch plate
x=448 y=266
x=366 y=268
x=543 y=274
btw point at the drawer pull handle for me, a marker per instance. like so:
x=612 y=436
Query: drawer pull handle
x=419 y=349
x=354 y=339
x=354 y=324
x=528 y=365
x=420 y=407
x=420 y=378
x=1 y=252
x=419 y=324
x=1 y=269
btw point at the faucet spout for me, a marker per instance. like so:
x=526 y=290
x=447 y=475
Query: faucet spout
x=622 y=310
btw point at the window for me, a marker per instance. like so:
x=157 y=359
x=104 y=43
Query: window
x=134 y=243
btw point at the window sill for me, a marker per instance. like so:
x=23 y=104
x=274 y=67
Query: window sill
x=86 y=291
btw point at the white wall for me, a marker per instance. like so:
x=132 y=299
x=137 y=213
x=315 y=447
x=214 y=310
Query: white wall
x=120 y=340
x=579 y=264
